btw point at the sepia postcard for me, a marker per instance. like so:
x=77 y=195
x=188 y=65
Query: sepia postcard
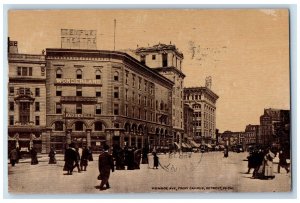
x=148 y=101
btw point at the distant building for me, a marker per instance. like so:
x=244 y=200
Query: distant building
x=251 y=135
x=232 y=138
x=203 y=101
x=26 y=98
x=269 y=123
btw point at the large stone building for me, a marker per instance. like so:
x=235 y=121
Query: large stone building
x=203 y=101
x=269 y=122
x=95 y=96
x=26 y=98
x=167 y=61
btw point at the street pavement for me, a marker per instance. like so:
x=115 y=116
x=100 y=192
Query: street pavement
x=207 y=172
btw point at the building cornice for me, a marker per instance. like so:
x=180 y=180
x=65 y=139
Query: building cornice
x=201 y=90
x=104 y=55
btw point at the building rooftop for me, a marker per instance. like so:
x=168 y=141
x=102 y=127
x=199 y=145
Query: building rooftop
x=160 y=47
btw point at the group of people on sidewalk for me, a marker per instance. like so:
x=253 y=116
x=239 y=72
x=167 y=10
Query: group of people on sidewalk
x=15 y=156
x=262 y=162
x=73 y=159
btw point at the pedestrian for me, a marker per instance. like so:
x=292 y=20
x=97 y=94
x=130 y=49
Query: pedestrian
x=90 y=154
x=84 y=159
x=130 y=158
x=13 y=156
x=145 y=155
x=105 y=164
x=155 y=160
x=18 y=155
x=52 y=153
x=77 y=160
x=259 y=166
x=282 y=161
x=119 y=157
x=251 y=160
x=33 y=154
x=70 y=158
x=137 y=158
x=268 y=165
x=226 y=151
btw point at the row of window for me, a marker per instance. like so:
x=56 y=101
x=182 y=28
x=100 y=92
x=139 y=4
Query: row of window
x=27 y=71
x=79 y=126
x=147 y=85
x=24 y=91
x=12 y=121
x=59 y=74
x=78 y=109
x=24 y=107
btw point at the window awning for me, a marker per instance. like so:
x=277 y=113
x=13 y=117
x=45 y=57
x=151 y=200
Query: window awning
x=194 y=144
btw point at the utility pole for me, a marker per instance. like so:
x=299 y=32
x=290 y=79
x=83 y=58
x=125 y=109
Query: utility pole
x=115 y=23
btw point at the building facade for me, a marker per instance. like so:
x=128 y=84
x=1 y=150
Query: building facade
x=203 y=101
x=270 y=125
x=26 y=99
x=95 y=96
x=167 y=61
x=251 y=135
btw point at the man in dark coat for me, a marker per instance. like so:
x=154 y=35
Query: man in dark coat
x=70 y=158
x=13 y=156
x=105 y=164
x=51 y=155
x=33 y=154
x=130 y=159
x=84 y=159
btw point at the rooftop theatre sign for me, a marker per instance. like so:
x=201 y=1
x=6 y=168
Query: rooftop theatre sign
x=70 y=81
x=78 y=39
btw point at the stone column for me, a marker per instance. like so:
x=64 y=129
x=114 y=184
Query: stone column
x=68 y=137
x=129 y=144
x=46 y=134
x=88 y=137
x=136 y=140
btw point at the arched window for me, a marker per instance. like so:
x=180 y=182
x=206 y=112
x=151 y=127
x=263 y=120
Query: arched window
x=98 y=126
x=79 y=74
x=58 y=73
x=116 y=76
x=58 y=126
x=79 y=126
x=98 y=74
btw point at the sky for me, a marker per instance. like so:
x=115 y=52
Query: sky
x=246 y=52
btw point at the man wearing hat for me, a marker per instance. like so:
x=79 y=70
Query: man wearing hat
x=105 y=164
